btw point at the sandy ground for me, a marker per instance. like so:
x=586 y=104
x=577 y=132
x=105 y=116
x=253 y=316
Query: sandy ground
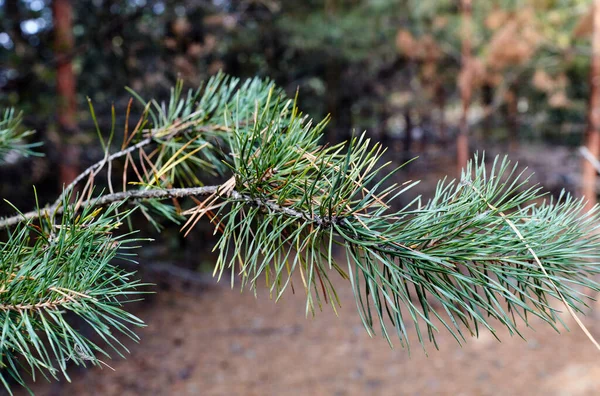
x=217 y=341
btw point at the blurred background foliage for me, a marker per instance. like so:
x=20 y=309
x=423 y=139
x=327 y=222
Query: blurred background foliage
x=368 y=63
x=392 y=67
x=363 y=61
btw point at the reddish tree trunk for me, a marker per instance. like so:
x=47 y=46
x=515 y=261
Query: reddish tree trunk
x=65 y=89
x=466 y=86
x=440 y=95
x=512 y=113
x=593 y=130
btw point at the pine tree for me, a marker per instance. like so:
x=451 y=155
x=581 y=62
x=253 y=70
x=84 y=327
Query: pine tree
x=592 y=135
x=488 y=249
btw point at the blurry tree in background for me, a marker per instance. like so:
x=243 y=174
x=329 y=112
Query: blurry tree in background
x=412 y=73
x=339 y=53
x=526 y=61
x=465 y=84
x=65 y=90
x=593 y=131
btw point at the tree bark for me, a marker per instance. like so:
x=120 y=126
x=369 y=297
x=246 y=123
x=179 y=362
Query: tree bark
x=440 y=95
x=466 y=88
x=408 y=131
x=592 y=139
x=487 y=96
x=65 y=89
x=512 y=122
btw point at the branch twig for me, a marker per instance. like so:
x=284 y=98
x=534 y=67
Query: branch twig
x=177 y=128
x=166 y=194
x=590 y=157
x=100 y=164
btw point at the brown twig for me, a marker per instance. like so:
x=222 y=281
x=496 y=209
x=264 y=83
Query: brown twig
x=69 y=296
x=138 y=146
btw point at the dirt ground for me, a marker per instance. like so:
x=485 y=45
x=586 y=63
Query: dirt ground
x=217 y=341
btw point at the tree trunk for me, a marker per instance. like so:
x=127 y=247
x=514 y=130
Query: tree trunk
x=512 y=123
x=408 y=131
x=466 y=87
x=592 y=139
x=333 y=81
x=440 y=95
x=65 y=89
x=487 y=96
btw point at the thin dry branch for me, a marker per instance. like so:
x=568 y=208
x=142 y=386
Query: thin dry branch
x=98 y=165
x=158 y=133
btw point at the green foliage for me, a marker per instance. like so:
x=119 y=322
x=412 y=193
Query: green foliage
x=192 y=130
x=336 y=34
x=12 y=137
x=453 y=262
x=58 y=272
x=453 y=253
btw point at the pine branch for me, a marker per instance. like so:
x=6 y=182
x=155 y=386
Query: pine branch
x=52 y=304
x=171 y=132
x=481 y=252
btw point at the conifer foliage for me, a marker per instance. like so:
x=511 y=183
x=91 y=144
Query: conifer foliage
x=486 y=250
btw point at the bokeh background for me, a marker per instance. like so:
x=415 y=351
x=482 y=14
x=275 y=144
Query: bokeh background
x=429 y=78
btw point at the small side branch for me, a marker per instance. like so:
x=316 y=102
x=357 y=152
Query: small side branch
x=69 y=296
x=176 y=130
x=590 y=157
x=100 y=164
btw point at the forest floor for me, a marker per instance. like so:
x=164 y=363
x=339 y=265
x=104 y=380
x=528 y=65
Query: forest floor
x=207 y=339
x=216 y=341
